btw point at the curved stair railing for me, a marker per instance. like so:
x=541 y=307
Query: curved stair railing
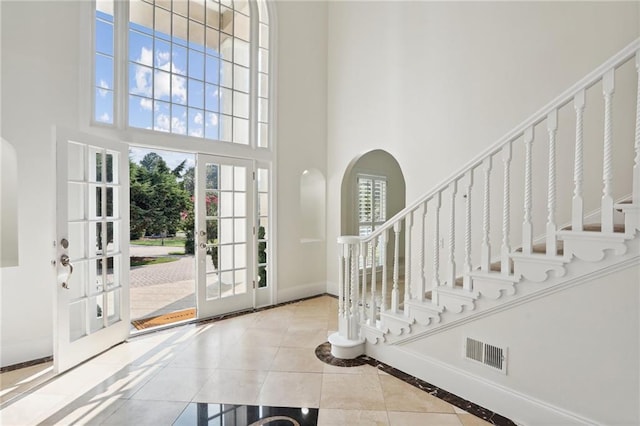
x=441 y=254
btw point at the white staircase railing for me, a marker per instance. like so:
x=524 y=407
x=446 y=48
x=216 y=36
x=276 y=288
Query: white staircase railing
x=449 y=246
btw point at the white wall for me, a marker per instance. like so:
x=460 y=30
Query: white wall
x=39 y=90
x=576 y=351
x=434 y=83
x=41 y=71
x=301 y=139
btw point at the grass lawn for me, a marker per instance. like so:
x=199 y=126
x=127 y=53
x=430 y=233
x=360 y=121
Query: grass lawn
x=143 y=261
x=168 y=242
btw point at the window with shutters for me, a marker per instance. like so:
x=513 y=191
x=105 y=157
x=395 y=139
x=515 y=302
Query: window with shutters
x=372 y=207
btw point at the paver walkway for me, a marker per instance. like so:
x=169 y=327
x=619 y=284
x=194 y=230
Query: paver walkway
x=162 y=288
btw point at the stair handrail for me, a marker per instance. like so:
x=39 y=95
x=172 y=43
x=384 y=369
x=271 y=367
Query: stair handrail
x=539 y=116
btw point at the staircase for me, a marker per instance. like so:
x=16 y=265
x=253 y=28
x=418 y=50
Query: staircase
x=444 y=263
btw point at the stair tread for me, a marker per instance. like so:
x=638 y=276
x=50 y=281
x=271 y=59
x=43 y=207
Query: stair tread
x=597 y=227
x=541 y=248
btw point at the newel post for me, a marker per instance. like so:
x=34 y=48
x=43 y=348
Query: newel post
x=346 y=343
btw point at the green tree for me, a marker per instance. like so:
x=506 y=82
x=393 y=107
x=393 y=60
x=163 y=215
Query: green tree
x=158 y=199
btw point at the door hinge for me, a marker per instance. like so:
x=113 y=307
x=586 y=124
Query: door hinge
x=254 y=175
x=254 y=284
x=254 y=230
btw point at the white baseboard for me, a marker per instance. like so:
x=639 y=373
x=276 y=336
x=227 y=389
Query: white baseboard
x=301 y=291
x=520 y=408
x=332 y=288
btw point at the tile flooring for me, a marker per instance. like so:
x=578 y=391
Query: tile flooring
x=265 y=358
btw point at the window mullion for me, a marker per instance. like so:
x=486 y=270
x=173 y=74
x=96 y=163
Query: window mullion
x=121 y=35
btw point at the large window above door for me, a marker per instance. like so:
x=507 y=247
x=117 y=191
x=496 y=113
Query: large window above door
x=197 y=68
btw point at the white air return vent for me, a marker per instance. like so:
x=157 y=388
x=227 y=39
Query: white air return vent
x=486 y=354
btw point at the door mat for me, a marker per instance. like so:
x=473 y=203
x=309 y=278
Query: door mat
x=164 y=319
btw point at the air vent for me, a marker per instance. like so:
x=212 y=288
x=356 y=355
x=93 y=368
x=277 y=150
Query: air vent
x=486 y=354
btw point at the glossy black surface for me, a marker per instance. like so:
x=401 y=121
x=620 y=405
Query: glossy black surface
x=245 y=415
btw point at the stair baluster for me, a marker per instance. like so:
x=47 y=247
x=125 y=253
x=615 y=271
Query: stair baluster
x=466 y=280
x=353 y=303
x=363 y=294
x=373 y=312
x=505 y=259
x=577 y=202
x=407 y=260
x=341 y=280
x=397 y=227
x=485 y=248
x=383 y=254
x=527 y=225
x=606 y=212
x=552 y=127
x=436 y=248
x=451 y=279
x=423 y=271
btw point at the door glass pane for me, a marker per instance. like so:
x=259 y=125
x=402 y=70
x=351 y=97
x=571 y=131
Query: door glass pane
x=112 y=201
x=75 y=201
x=226 y=284
x=77 y=320
x=113 y=236
x=77 y=240
x=113 y=272
x=96 y=282
x=226 y=231
x=240 y=284
x=240 y=178
x=213 y=289
x=240 y=256
x=75 y=162
x=240 y=230
x=226 y=177
x=212 y=231
x=240 y=204
x=113 y=306
x=226 y=257
x=96 y=313
x=95 y=239
x=226 y=204
x=212 y=203
x=263 y=204
x=212 y=176
x=77 y=281
x=211 y=261
x=95 y=202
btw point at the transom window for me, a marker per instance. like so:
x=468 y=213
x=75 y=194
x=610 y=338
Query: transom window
x=190 y=68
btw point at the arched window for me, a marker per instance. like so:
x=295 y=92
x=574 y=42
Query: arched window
x=198 y=68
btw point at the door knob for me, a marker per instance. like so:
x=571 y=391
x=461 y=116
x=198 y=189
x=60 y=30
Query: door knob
x=65 y=261
x=203 y=245
x=203 y=233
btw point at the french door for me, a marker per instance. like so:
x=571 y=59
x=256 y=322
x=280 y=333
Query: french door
x=92 y=247
x=225 y=235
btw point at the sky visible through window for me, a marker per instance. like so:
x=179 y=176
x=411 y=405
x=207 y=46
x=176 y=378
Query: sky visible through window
x=196 y=85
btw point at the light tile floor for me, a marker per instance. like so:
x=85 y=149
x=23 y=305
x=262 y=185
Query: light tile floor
x=265 y=358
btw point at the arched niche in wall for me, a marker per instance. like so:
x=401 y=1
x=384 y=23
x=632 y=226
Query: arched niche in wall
x=312 y=205
x=8 y=205
x=373 y=163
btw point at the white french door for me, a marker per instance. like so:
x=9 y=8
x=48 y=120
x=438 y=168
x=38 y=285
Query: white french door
x=225 y=235
x=92 y=288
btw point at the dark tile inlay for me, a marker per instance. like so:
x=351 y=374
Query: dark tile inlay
x=26 y=364
x=242 y=415
x=323 y=352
